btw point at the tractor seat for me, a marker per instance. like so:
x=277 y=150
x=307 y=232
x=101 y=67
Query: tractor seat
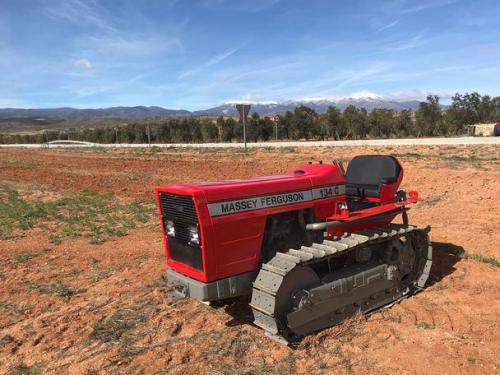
x=365 y=176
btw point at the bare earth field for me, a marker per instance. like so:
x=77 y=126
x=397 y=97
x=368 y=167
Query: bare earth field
x=81 y=276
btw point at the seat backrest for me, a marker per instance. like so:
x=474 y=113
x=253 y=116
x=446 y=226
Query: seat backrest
x=366 y=173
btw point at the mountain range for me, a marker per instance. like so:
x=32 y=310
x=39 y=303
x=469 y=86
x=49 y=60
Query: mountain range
x=72 y=113
x=320 y=106
x=228 y=109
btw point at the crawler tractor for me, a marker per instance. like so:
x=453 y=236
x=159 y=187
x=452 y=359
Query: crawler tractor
x=310 y=247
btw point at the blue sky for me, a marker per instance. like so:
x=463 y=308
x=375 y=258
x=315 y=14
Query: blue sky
x=196 y=54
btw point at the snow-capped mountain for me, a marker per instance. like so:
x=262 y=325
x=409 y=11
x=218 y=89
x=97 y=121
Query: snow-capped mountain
x=319 y=105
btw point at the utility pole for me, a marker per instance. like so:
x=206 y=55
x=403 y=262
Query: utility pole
x=116 y=135
x=149 y=136
x=243 y=110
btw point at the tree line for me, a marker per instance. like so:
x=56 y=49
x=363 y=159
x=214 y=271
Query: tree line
x=431 y=119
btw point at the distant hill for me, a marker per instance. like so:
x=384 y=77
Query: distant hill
x=71 y=113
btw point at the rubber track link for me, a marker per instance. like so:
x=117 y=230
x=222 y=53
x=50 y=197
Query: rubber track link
x=272 y=273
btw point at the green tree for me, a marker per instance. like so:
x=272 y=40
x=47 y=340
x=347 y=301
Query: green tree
x=356 y=122
x=163 y=132
x=253 y=127
x=336 y=128
x=195 y=129
x=285 y=128
x=323 y=128
x=382 y=123
x=429 y=119
x=238 y=130
x=305 y=122
x=229 y=132
x=404 y=123
x=209 y=131
x=266 y=127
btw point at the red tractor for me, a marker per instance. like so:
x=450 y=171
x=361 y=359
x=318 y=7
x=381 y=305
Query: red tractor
x=311 y=247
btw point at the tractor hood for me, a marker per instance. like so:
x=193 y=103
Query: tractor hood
x=302 y=178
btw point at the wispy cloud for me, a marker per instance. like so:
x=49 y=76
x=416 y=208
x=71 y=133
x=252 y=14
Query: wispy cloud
x=80 y=13
x=330 y=83
x=89 y=90
x=83 y=63
x=417 y=75
x=213 y=61
x=265 y=69
x=169 y=4
x=357 y=75
x=388 y=26
x=413 y=42
x=426 y=6
x=239 y=6
x=476 y=14
x=488 y=70
x=133 y=44
x=102 y=35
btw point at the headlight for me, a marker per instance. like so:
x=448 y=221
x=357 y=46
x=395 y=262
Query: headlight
x=169 y=227
x=194 y=236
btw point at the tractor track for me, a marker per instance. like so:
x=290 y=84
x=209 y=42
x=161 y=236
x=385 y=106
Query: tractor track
x=273 y=272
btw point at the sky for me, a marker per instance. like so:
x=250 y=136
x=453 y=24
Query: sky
x=195 y=54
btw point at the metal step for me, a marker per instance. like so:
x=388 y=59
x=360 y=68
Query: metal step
x=316 y=253
x=340 y=246
x=303 y=255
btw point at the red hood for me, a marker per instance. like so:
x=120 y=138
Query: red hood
x=303 y=178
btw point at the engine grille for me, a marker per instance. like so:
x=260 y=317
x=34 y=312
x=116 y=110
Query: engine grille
x=181 y=210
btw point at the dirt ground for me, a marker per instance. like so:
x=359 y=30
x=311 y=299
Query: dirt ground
x=112 y=316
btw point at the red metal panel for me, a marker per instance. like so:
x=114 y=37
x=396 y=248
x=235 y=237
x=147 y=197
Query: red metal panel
x=231 y=244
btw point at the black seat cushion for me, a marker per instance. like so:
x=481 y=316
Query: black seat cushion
x=366 y=173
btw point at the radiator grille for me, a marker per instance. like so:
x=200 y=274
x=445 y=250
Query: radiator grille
x=181 y=211
x=179 y=207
